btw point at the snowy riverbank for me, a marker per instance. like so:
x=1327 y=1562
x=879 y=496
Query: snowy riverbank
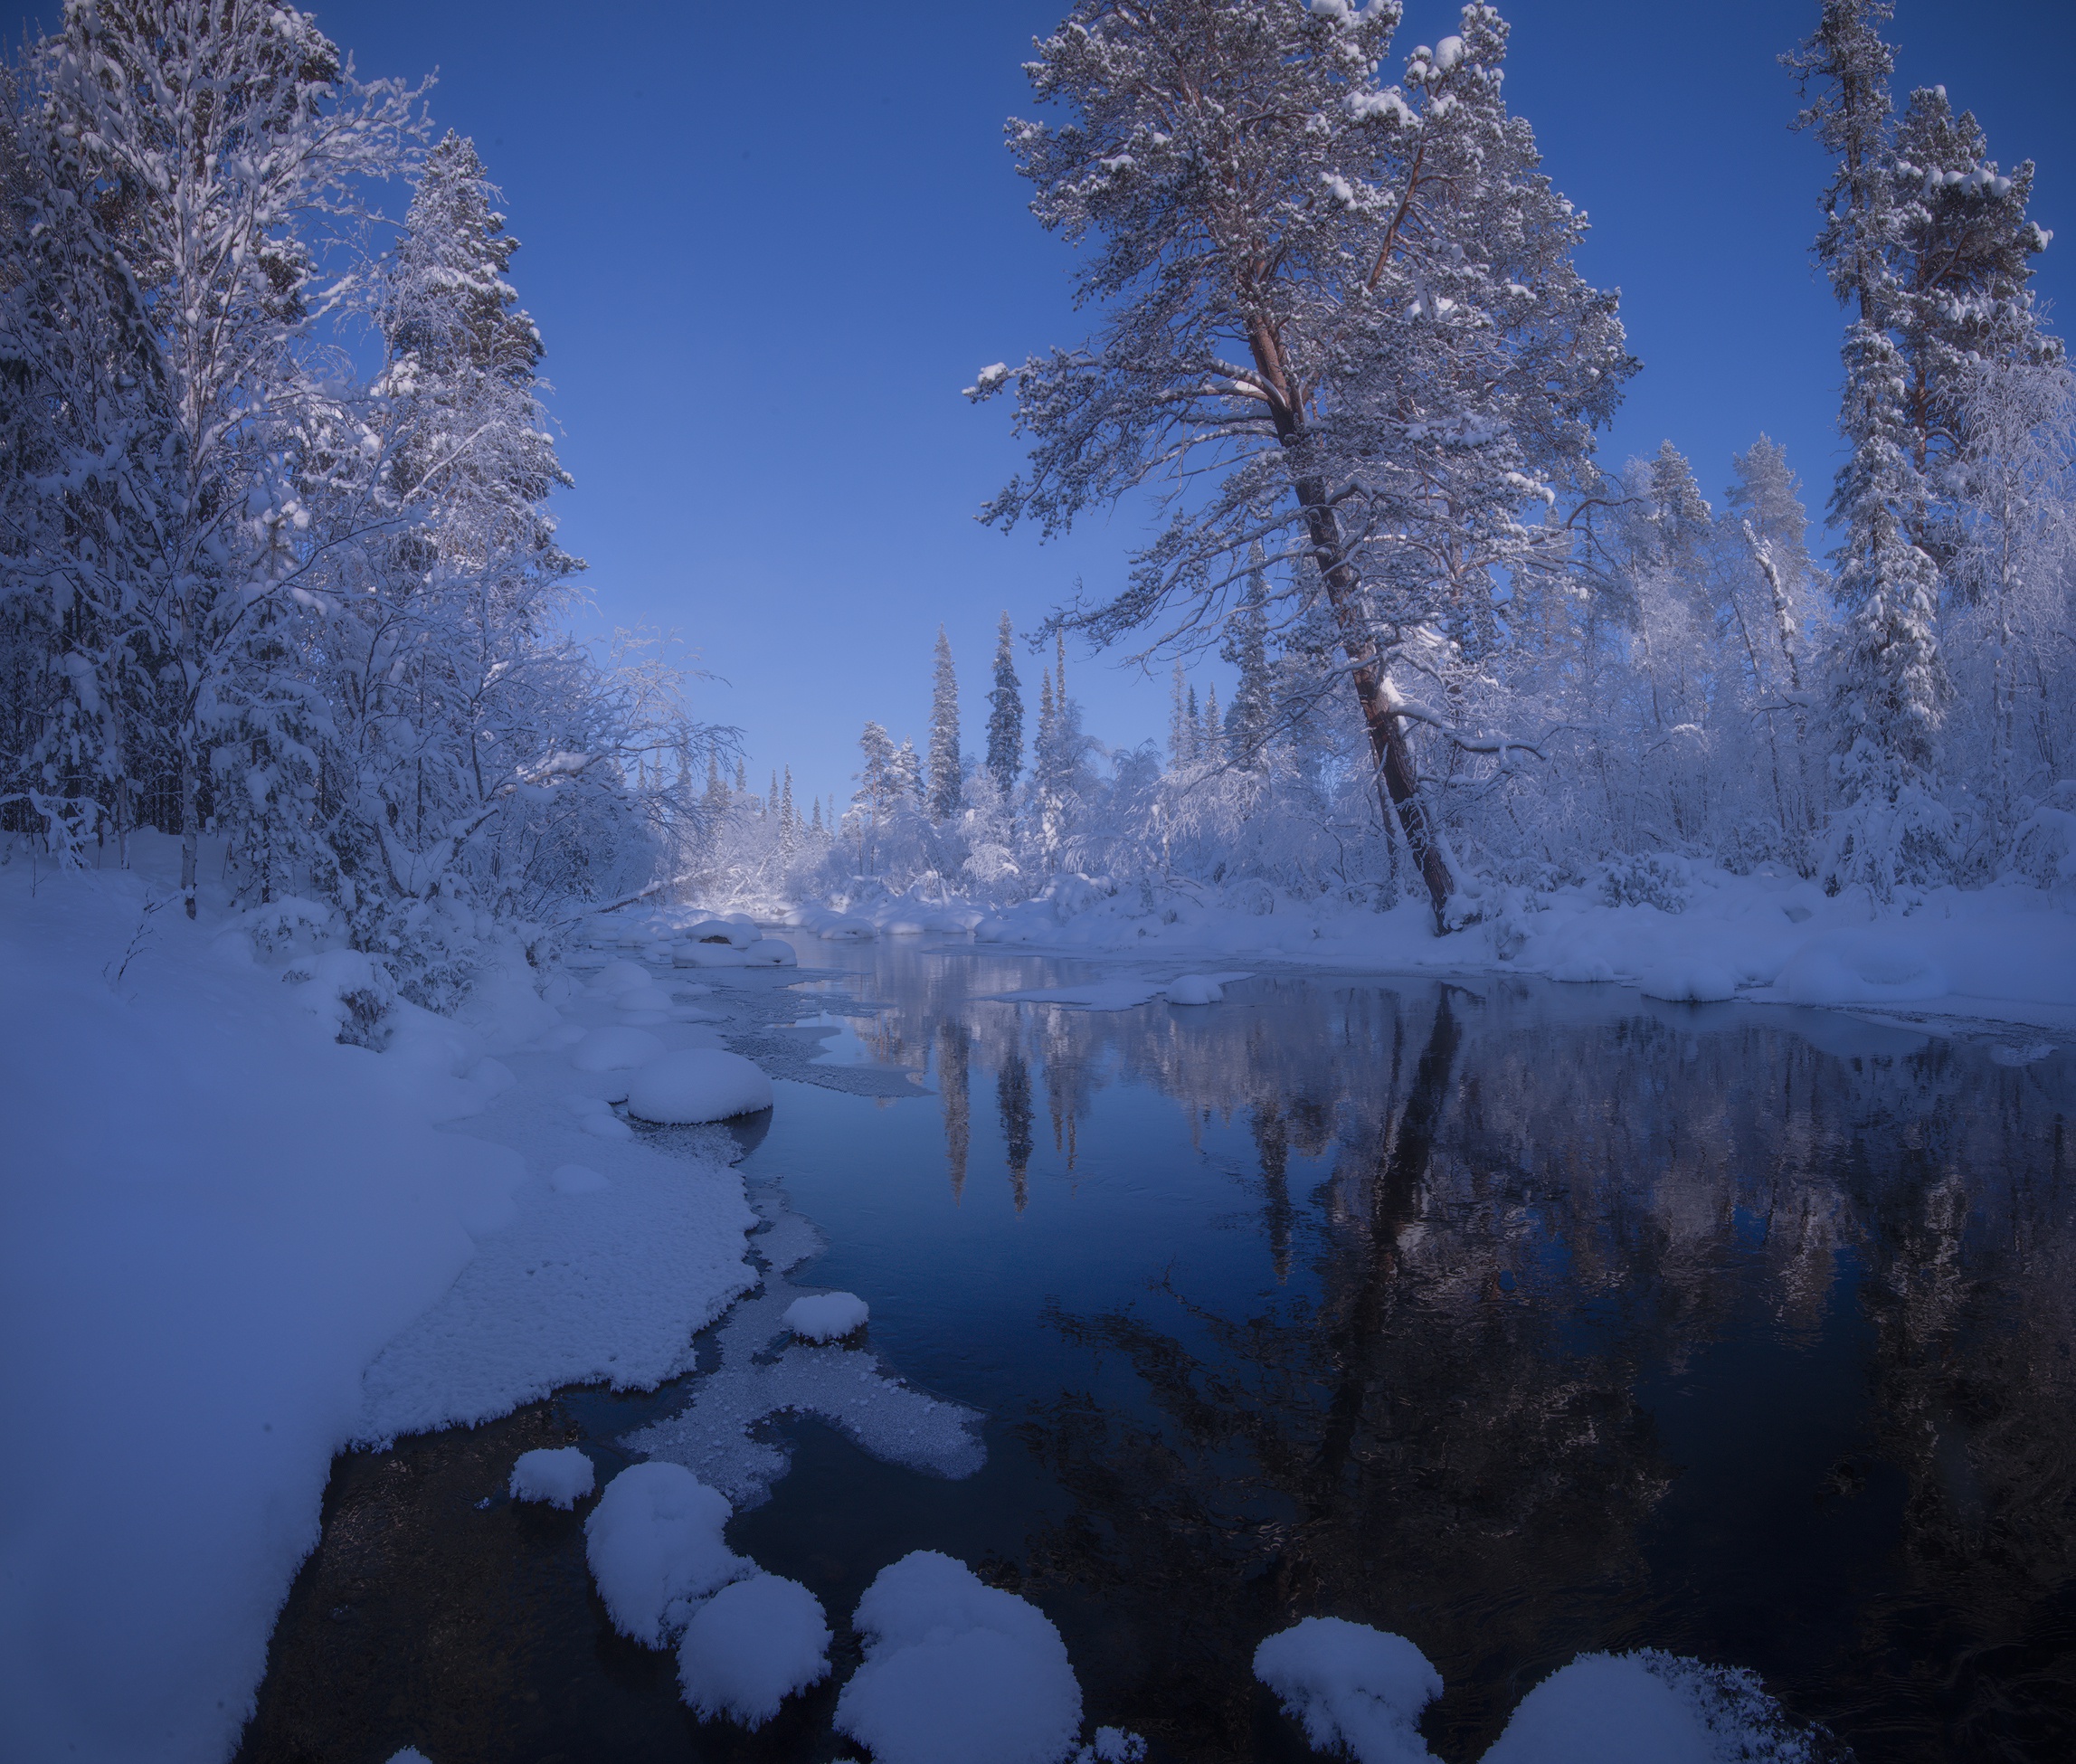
x=2005 y=953
x=230 y=1246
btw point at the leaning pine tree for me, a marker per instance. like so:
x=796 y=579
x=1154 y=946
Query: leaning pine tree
x=1341 y=320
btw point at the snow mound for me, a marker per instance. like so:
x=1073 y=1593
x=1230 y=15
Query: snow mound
x=1689 y=980
x=655 y=1549
x=651 y=997
x=720 y=931
x=1351 y=1687
x=770 y=953
x=1195 y=988
x=1605 y=1709
x=1582 y=971
x=955 y=1670
x=616 y=1048
x=749 y=1647
x=577 y=1179
x=848 y=930
x=1860 y=967
x=827 y=1317
x=618 y=977
x=561 y=1477
x=408 y=1755
x=697 y=1083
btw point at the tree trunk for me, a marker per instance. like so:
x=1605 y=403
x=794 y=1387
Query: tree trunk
x=190 y=829
x=1398 y=782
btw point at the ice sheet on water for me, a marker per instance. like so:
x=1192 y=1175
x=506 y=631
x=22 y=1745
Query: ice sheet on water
x=712 y=1435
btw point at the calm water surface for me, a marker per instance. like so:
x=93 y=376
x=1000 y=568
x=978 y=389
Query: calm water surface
x=1519 y=1320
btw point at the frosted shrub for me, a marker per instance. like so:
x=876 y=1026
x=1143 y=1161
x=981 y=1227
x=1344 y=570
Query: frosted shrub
x=1649 y=878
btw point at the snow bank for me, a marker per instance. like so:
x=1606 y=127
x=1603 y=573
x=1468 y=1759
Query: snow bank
x=827 y=1317
x=1127 y=994
x=749 y=1647
x=212 y=1217
x=1860 y=967
x=697 y=1083
x=616 y=1047
x=655 y=1549
x=1195 y=988
x=955 y=1670
x=1351 y=1687
x=1691 y=980
x=562 y=1477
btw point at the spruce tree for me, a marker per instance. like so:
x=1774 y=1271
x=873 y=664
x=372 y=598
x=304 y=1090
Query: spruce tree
x=1889 y=684
x=1252 y=713
x=947 y=772
x=1005 y=716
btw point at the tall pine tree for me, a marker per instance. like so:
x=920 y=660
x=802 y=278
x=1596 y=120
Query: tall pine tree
x=1005 y=716
x=947 y=772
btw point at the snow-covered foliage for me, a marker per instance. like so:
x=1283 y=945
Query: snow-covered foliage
x=275 y=559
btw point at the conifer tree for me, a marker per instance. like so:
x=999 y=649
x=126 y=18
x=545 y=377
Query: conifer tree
x=1212 y=743
x=1005 y=716
x=947 y=772
x=1252 y=713
x=1889 y=682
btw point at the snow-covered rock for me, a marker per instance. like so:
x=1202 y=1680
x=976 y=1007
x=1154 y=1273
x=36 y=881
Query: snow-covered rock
x=1607 y=1709
x=955 y=1670
x=577 y=1179
x=655 y=1549
x=749 y=1647
x=618 y=977
x=827 y=1317
x=733 y=933
x=1353 y=1688
x=1195 y=988
x=697 y=1083
x=561 y=1475
x=616 y=1047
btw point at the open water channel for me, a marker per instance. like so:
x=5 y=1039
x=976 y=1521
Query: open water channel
x=1521 y=1320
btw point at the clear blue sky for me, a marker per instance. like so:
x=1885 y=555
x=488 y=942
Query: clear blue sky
x=767 y=246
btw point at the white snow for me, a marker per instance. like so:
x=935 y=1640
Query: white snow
x=562 y=1476
x=955 y=1670
x=1860 y=967
x=1126 y=994
x=616 y=1047
x=1351 y=1687
x=697 y=1083
x=655 y=1549
x=749 y=1647
x=1361 y=1691
x=825 y=1316
x=1195 y=988
x=1604 y=1709
x=577 y=1179
x=1694 y=980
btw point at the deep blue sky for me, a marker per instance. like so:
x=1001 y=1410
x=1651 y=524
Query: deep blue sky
x=767 y=245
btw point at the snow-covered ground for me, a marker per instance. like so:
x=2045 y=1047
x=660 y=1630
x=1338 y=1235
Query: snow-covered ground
x=1673 y=930
x=230 y=1246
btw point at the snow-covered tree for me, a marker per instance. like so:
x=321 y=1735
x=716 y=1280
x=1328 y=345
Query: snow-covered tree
x=229 y=155
x=1005 y=716
x=1344 y=315
x=1252 y=714
x=947 y=770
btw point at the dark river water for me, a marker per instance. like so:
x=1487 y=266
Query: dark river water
x=1519 y=1320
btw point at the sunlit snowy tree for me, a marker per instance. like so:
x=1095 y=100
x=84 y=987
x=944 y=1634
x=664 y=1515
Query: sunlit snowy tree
x=1340 y=320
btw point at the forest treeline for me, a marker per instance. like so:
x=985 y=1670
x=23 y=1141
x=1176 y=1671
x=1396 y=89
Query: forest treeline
x=276 y=564
x=277 y=568
x=1345 y=352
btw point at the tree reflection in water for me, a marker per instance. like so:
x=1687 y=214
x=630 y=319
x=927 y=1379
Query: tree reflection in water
x=1740 y=1333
